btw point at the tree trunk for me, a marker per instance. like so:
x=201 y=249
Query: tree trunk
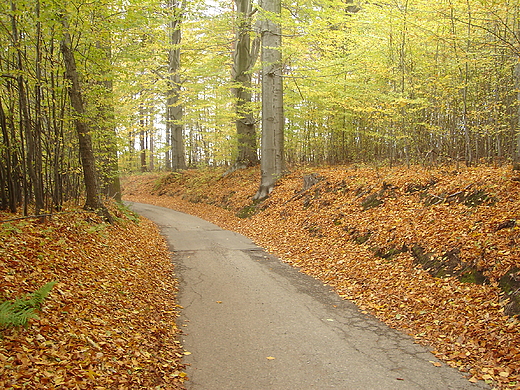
x=86 y=153
x=244 y=58
x=23 y=113
x=272 y=162
x=516 y=153
x=8 y=199
x=110 y=182
x=174 y=110
x=151 y=147
x=37 y=131
x=167 y=154
x=142 y=138
x=58 y=160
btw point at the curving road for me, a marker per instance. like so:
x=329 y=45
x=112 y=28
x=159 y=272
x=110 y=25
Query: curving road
x=252 y=322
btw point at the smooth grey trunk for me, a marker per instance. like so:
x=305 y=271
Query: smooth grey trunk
x=244 y=58
x=174 y=109
x=272 y=162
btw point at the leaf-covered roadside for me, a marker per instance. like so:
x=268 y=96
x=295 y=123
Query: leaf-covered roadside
x=316 y=230
x=108 y=323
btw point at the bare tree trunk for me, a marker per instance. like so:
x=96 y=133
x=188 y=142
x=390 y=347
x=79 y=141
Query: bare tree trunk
x=167 y=154
x=58 y=147
x=86 y=153
x=468 y=156
x=142 y=138
x=244 y=58
x=151 y=145
x=516 y=154
x=272 y=163
x=24 y=131
x=152 y=162
x=7 y=174
x=36 y=134
x=174 y=110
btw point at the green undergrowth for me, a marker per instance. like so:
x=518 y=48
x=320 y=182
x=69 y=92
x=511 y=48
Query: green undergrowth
x=18 y=312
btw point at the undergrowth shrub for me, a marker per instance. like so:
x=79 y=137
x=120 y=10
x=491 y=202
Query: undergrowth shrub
x=18 y=312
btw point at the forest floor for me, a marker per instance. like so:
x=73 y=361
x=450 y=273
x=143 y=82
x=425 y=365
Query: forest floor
x=433 y=252
x=108 y=322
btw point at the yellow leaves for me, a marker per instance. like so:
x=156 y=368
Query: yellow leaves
x=92 y=343
x=179 y=374
x=91 y=374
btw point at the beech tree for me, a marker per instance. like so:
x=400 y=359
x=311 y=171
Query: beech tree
x=40 y=164
x=408 y=81
x=174 y=108
x=244 y=58
x=36 y=171
x=86 y=152
x=272 y=160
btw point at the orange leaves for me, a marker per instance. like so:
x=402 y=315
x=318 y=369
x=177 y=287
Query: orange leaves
x=315 y=230
x=108 y=323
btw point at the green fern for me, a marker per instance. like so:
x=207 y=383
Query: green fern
x=19 y=311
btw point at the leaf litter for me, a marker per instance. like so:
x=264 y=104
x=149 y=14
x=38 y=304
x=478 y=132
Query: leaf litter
x=356 y=229
x=108 y=323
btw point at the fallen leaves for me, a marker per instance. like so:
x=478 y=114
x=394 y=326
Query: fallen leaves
x=108 y=323
x=314 y=230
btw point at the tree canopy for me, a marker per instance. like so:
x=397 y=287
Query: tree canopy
x=406 y=81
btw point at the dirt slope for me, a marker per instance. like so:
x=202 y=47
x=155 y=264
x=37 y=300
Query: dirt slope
x=407 y=245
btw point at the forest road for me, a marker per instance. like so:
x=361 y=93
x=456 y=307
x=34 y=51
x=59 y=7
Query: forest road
x=254 y=322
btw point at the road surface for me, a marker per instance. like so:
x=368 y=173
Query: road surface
x=252 y=322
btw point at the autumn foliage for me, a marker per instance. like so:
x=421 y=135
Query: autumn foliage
x=358 y=229
x=108 y=323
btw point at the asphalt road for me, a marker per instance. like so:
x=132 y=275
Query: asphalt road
x=252 y=322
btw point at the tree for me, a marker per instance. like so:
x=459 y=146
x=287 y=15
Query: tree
x=7 y=182
x=272 y=161
x=86 y=151
x=516 y=153
x=109 y=172
x=174 y=109
x=244 y=58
